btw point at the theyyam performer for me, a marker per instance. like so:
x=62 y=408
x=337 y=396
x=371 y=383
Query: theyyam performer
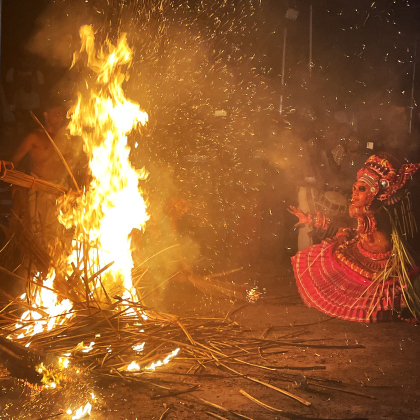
x=366 y=272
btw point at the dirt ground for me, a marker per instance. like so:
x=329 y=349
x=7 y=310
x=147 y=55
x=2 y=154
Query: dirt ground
x=339 y=369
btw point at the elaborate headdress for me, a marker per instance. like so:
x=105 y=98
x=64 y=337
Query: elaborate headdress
x=384 y=179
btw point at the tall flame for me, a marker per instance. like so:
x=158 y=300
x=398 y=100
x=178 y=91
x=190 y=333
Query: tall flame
x=112 y=205
x=104 y=215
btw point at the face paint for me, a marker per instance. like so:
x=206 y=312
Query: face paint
x=362 y=195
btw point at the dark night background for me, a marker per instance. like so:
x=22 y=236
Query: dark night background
x=195 y=58
x=362 y=51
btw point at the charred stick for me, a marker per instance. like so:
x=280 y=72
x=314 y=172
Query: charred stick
x=173 y=394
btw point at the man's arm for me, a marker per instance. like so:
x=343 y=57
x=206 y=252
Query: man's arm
x=28 y=143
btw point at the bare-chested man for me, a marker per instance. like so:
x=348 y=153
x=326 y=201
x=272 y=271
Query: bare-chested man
x=45 y=164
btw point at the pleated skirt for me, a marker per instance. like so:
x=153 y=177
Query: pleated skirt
x=327 y=284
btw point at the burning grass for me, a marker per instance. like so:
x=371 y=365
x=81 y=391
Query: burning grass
x=161 y=355
x=122 y=343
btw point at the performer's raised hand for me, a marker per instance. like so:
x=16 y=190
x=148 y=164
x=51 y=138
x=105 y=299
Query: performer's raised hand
x=303 y=217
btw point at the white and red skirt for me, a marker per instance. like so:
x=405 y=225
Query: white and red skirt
x=341 y=290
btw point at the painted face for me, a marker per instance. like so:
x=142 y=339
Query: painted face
x=362 y=195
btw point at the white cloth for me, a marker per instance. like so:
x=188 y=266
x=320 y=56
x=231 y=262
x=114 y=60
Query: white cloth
x=306 y=203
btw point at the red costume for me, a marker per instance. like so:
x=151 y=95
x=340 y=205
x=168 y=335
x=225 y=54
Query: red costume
x=365 y=273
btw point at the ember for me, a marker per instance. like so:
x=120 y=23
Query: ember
x=253 y=294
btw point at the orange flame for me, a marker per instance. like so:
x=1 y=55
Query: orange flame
x=104 y=215
x=113 y=205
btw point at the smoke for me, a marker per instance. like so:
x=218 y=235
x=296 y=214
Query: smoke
x=57 y=36
x=192 y=62
x=196 y=72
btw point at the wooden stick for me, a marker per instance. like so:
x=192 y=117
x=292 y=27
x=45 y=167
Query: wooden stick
x=282 y=391
x=174 y=393
x=57 y=150
x=164 y=413
x=215 y=415
x=267 y=407
x=219 y=407
x=50 y=416
x=345 y=391
x=301 y=400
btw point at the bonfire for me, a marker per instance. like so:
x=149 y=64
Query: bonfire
x=85 y=320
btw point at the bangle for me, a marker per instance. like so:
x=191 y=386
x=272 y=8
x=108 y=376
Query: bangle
x=321 y=221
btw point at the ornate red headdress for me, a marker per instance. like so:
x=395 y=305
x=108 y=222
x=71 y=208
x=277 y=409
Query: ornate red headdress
x=383 y=178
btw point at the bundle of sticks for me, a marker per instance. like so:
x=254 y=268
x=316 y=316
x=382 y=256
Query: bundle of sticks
x=12 y=176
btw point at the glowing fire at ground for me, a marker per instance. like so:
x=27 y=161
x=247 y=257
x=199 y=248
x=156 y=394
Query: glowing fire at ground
x=81 y=412
x=47 y=311
x=133 y=366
